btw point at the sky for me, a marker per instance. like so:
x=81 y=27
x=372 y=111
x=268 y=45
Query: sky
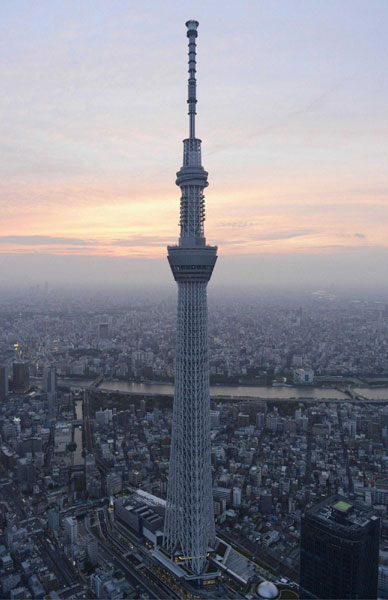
x=292 y=111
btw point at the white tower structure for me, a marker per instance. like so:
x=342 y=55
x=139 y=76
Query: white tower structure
x=189 y=530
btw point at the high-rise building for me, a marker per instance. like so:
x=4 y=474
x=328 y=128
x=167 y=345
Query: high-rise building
x=71 y=530
x=103 y=331
x=339 y=551
x=50 y=380
x=92 y=549
x=114 y=483
x=53 y=518
x=21 y=377
x=189 y=531
x=3 y=382
x=50 y=387
x=236 y=497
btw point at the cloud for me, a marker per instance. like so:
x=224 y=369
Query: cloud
x=42 y=240
x=236 y=224
x=144 y=240
x=281 y=235
x=360 y=235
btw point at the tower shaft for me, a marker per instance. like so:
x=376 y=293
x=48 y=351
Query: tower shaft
x=189 y=530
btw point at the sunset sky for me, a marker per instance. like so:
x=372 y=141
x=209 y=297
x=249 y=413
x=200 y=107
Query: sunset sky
x=292 y=111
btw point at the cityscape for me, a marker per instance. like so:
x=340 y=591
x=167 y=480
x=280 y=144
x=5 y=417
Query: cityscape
x=159 y=439
x=86 y=431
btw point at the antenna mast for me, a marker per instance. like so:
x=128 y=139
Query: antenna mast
x=192 y=27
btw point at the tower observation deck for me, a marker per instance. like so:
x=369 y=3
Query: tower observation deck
x=189 y=532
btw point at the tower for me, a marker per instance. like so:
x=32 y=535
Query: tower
x=189 y=530
x=339 y=550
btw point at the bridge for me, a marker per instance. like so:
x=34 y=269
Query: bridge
x=73 y=469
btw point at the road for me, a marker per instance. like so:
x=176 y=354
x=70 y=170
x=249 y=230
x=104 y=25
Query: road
x=345 y=453
x=309 y=439
x=48 y=547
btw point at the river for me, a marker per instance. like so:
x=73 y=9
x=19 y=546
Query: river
x=228 y=390
x=234 y=391
x=237 y=391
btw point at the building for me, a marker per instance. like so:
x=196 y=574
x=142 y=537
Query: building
x=260 y=420
x=383 y=582
x=189 y=527
x=103 y=585
x=3 y=382
x=36 y=588
x=303 y=376
x=113 y=483
x=71 y=530
x=62 y=438
x=236 y=497
x=214 y=418
x=53 y=518
x=339 y=550
x=141 y=518
x=50 y=380
x=242 y=420
x=21 y=377
x=103 y=328
x=92 y=549
x=8 y=457
x=50 y=387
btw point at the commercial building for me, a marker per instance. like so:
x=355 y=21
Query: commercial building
x=21 y=377
x=141 y=518
x=50 y=387
x=339 y=550
x=3 y=382
x=53 y=518
x=71 y=530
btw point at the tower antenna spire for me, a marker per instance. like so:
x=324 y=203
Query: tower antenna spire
x=192 y=27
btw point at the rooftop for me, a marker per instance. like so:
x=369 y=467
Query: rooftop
x=340 y=512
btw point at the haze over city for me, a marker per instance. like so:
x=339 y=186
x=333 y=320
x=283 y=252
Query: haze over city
x=292 y=109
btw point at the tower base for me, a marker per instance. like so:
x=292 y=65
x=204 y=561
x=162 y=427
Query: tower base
x=205 y=585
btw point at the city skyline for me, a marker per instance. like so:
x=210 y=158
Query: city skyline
x=294 y=106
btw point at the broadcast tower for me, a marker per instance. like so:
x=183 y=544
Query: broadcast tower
x=189 y=531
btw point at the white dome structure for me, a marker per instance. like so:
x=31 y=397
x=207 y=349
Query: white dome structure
x=267 y=590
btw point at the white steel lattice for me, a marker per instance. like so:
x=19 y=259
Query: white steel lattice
x=189 y=530
x=189 y=526
x=192 y=211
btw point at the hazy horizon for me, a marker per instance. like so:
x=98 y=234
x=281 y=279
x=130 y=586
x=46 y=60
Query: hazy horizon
x=332 y=272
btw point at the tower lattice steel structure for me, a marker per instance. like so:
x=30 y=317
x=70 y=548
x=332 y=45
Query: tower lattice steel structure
x=189 y=527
